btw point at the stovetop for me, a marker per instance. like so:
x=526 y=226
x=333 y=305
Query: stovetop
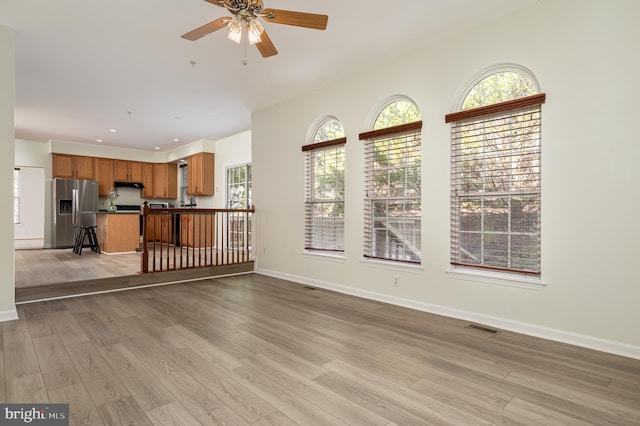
x=127 y=208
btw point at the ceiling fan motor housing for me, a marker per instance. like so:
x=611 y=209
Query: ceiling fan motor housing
x=246 y=7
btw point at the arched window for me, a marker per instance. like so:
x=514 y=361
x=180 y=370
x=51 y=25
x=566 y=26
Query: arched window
x=393 y=207
x=324 y=187
x=495 y=175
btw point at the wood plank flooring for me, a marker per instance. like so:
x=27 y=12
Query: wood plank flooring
x=255 y=350
x=51 y=273
x=53 y=266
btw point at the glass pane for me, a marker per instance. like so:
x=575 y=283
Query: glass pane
x=329 y=130
x=524 y=214
x=499 y=87
x=238 y=187
x=327 y=226
x=471 y=215
x=496 y=215
x=396 y=113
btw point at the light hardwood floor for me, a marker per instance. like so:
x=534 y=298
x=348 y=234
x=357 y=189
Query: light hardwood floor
x=255 y=350
x=51 y=266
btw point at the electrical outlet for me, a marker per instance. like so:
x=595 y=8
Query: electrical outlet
x=395 y=282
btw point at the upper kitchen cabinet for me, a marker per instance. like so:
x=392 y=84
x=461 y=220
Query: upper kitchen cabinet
x=128 y=171
x=104 y=174
x=147 y=180
x=73 y=166
x=165 y=180
x=200 y=174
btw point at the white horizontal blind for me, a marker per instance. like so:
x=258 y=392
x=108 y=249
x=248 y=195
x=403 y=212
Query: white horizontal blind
x=324 y=198
x=393 y=207
x=495 y=191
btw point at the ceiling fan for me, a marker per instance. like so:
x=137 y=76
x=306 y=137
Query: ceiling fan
x=245 y=19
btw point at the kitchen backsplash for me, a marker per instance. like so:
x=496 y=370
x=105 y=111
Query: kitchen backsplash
x=131 y=196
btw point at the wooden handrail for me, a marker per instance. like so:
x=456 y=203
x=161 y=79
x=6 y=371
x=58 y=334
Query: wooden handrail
x=205 y=237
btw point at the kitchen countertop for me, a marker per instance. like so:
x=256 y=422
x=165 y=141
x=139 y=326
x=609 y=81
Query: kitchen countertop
x=117 y=212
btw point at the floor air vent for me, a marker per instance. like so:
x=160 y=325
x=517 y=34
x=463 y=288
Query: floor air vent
x=483 y=328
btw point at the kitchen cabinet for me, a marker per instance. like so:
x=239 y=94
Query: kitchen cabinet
x=127 y=171
x=200 y=174
x=160 y=228
x=196 y=230
x=73 y=166
x=118 y=233
x=165 y=180
x=147 y=180
x=104 y=175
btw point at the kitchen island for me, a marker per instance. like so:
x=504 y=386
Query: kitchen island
x=118 y=232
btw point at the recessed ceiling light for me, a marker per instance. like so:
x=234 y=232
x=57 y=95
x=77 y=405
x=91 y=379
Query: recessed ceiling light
x=176 y=140
x=98 y=140
x=112 y=130
x=157 y=147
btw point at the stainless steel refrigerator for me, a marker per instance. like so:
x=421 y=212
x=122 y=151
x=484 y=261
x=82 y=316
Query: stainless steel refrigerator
x=75 y=203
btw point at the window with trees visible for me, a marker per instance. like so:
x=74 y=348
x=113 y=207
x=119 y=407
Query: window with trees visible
x=393 y=205
x=239 y=197
x=324 y=188
x=239 y=187
x=495 y=175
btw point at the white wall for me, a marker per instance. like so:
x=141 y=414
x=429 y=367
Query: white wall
x=29 y=232
x=232 y=151
x=7 y=88
x=584 y=55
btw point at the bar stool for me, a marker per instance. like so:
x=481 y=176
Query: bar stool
x=83 y=231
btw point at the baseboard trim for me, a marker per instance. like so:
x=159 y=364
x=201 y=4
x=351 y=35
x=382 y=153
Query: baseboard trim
x=10 y=315
x=534 y=330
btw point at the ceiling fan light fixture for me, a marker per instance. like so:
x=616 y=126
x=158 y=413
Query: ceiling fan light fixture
x=254 y=31
x=235 y=29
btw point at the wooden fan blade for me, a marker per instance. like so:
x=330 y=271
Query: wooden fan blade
x=298 y=19
x=265 y=46
x=206 y=29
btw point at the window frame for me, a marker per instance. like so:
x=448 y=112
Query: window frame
x=332 y=241
x=501 y=110
x=411 y=253
x=247 y=183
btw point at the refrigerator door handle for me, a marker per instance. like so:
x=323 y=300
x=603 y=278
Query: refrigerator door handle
x=75 y=208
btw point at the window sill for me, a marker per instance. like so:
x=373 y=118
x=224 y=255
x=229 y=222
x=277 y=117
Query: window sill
x=496 y=278
x=391 y=265
x=324 y=255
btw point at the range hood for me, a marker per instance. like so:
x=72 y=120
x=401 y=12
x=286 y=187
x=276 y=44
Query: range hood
x=128 y=185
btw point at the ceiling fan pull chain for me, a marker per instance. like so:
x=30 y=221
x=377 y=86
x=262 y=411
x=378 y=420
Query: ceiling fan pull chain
x=244 y=60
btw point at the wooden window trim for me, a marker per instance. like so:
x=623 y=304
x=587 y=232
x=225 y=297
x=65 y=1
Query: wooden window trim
x=325 y=144
x=402 y=128
x=513 y=104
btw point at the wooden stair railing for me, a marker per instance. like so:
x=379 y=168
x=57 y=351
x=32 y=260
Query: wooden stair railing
x=185 y=238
